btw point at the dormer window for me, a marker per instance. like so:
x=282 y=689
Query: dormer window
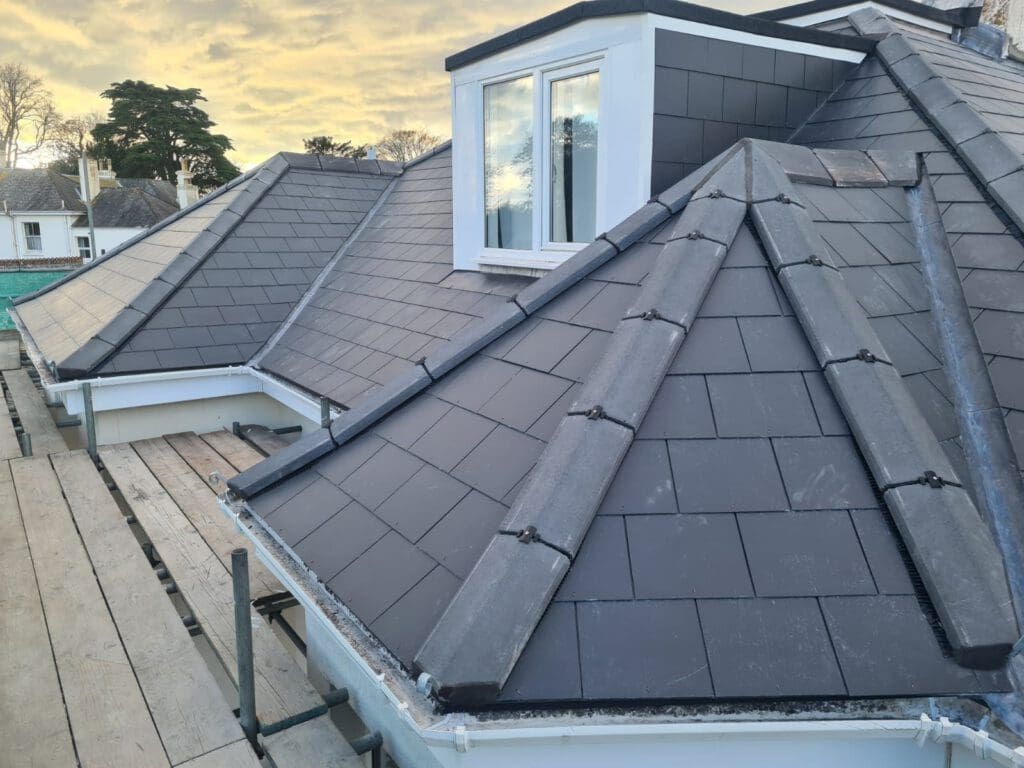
x=540 y=161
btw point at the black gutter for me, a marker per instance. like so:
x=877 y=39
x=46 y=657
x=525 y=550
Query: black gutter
x=955 y=17
x=675 y=9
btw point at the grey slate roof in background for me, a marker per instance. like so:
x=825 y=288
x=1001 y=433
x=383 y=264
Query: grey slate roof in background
x=31 y=189
x=391 y=298
x=225 y=310
x=129 y=207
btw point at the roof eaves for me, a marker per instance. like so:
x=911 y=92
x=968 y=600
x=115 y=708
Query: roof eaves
x=115 y=333
x=994 y=162
x=592 y=9
x=560 y=499
x=955 y=17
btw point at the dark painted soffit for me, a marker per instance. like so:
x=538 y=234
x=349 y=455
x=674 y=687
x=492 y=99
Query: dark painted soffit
x=594 y=9
x=955 y=17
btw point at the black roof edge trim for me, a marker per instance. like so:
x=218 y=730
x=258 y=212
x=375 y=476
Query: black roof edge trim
x=561 y=496
x=955 y=17
x=593 y=9
x=991 y=460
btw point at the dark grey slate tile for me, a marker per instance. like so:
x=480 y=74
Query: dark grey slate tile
x=776 y=344
x=704 y=100
x=308 y=509
x=643 y=485
x=380 y=576
x=762 y=405
x=666 y=660
x=739 y=100
x=798 y=554
x=675 y=556
x=411 y=422
x=670 y=91
x=340 y=540
x=830 y=418
x=789 y=68
x=680 y=410
x=879 y=539
x=726 y=476
x=406 y=624
x=451 y=438
x=887 y=647
x=600 y=570
x=713 y=345
x=824 y=473
x=458 y=539
x=549 y=667
x=740 y=292
x=381 y=476
x=524 y=399
x=578 y=363
x=500 y=461
x=769 y=648
x=546 y=345
x=607 y=308
x=475 y=382
x=424 y=499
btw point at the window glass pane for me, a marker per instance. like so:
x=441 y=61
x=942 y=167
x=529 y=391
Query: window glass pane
x=84 y=251
x=33 y=236
x=574 y=159
x=508 y=164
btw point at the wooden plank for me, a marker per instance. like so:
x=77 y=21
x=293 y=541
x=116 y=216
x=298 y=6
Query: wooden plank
x=282 y=689
x=10 y=354
x=313 y=744
x=35 y=416
x=267 y=440
x=199 y=504
x=233 y=448
x=9 y=448
x=109 y=718
x=190 y=712
x=34 y=729
x=198 y=454
x=237 y=755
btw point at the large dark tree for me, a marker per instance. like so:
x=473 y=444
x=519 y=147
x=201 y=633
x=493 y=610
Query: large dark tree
x=150 y=130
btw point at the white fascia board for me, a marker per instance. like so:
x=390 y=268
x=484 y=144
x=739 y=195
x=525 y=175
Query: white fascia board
x=813 y=19
x=416 y=735
x=761 y=41
x=139 y=390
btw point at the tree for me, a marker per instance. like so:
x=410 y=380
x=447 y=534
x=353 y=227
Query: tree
x=326 y=145
x=26 y=113
x=150 y=130
x=405 y=144
x=70 y=139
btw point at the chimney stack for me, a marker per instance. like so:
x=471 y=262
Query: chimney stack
x=188 y=193
x=88 y=179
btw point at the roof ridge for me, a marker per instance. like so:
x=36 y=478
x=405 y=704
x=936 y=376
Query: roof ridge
x=128 y=319
x=935 y=516
x=136 y=238
x=436 y=150
x=994 y=163
x=967 y=16
x=377 y=404
x=561 y=496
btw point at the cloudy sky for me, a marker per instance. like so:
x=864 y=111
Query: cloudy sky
x=273 y=71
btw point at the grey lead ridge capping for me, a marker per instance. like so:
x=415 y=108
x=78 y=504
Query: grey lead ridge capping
x=90 y=355
x=557 y=505
x=997 y=166
x=995 y=475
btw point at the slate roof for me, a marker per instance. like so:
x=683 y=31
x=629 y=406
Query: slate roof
x=511 y=510
x=31 y=189
x=129 y=207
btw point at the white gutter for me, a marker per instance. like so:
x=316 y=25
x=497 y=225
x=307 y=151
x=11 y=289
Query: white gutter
x=134 y=391
x=385 y=699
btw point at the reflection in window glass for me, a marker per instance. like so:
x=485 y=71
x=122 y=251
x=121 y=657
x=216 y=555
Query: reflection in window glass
x=508 y=164
x=574 y=159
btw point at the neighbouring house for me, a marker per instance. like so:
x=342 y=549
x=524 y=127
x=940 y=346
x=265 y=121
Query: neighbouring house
x=671 y=414
x=44 y=219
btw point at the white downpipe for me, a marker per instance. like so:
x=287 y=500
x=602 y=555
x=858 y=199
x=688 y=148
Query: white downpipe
x=451 y=733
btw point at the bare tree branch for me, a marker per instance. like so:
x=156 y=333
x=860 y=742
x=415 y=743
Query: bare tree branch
x=27 y=113
x=404 y=145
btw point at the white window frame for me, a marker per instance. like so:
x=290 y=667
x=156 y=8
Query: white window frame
x=29 y=237
x=544 y=254
x=87 y=255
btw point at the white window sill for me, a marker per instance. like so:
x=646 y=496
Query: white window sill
x=540 y=260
